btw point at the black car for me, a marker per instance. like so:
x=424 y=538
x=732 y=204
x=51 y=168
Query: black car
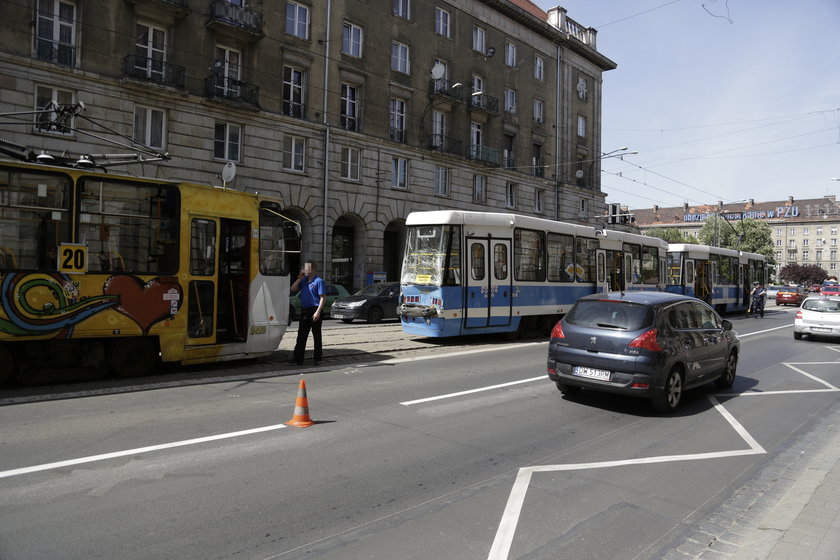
x=374 y=303
x=643 y=344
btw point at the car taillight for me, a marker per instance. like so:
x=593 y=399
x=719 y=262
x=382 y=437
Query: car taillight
x=799 y=314
x=646 y=340
x=557 y=331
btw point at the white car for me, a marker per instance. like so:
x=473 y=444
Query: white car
x=818 y=315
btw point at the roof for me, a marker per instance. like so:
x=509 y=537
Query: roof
x=811 y=208
x=531 y=8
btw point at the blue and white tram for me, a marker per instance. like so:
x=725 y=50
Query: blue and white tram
x=479 y=272
x=721 y=277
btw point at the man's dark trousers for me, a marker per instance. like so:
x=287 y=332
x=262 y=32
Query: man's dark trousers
x=306 y=325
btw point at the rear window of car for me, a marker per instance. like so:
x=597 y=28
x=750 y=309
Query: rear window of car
x=610 y=314
x=822 y=305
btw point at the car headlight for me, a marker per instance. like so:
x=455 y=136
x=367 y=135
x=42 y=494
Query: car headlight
x=355 y=304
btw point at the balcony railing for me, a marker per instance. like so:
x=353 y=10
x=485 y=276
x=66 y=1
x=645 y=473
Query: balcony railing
x=484 y=102
x=237 y=18
x=444 y=143
x=294 y=109
x=537 y=167
x=397 y=134
x=56 y=52
x=152 y=70
x=220 y=87
x=349 y=123
x=483 y=154
x=444 y=88
x=508 y=162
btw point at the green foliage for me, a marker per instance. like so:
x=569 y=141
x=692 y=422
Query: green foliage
x=803 y=274
x=753 y=236
x=671 y=235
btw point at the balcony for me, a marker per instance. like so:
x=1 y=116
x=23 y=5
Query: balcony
x=484 y=103
x=537 y=167
x=443 y=88
x=444 y=143
x=397 y=134
x=294 y=109
x=349 y=123
x=508 y=162
x=175 y=8
x=483 y=154
x=151 y=70
x=233 y=91
x=56 y=52
x=235 y=21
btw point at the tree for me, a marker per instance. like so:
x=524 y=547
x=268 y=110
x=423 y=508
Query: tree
x=671 y=235
x=804 y=275
x=752 y=236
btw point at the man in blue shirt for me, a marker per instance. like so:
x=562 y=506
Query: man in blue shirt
x=312 y=297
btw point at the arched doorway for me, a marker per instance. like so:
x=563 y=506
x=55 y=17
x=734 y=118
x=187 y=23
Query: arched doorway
x=392 y=250
x=348 y=253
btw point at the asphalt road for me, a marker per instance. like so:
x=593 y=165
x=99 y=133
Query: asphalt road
x=420 y=450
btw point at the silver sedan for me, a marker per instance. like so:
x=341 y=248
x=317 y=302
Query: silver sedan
x=818 y=315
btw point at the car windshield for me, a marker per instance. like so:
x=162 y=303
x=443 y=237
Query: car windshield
x=373 y=290
x=822 y=305
x=610 y=314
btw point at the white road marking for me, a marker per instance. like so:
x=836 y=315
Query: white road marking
x=116 y=454
x=478 y=390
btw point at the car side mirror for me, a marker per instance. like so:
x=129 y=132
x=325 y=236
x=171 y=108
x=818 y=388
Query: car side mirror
x=727 y=324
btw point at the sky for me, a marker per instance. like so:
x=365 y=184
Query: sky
x=724 y=100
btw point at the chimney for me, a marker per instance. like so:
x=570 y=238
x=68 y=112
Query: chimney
x=790 y=200
x=656 y=208
x=685 y=207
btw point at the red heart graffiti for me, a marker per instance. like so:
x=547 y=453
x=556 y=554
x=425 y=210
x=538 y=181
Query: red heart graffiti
x=146 y=304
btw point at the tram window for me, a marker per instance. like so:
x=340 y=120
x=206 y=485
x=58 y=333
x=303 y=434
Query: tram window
x=276 y=235
x=477 y=258
x=203 y=247
x=529 y=255
x=500 y=261
x=34 y=218
x=129 y=227
x=650 y=265
x=561 y=257
x=585 y=259
x=632 y=267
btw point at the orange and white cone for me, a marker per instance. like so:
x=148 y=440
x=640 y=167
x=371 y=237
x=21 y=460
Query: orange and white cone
x=301 y=417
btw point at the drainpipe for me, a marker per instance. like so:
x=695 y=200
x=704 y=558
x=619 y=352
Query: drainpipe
x=558 y=125
x=326 y=138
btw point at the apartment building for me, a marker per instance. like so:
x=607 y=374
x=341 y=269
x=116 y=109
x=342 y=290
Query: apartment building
x=354 y=112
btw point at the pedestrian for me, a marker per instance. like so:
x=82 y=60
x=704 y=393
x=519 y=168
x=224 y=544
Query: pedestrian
x=313 y=295
x=759 y=296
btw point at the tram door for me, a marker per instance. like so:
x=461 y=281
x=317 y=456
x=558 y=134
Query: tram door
x=234 y=250
x=489 y=283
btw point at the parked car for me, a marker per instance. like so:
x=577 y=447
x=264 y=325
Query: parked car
x=830 y=289
x=818 y=315
x=374 y=303
x=772 y=290
x=790 y=295
x=334 y=291
x=642 y=344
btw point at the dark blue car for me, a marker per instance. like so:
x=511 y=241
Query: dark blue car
x=643 y=344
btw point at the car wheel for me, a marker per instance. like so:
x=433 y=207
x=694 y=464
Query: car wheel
x=797 y=336
x=347 y=320
x=727 y=378
x=567 y=389
x=669 y=398
x=374 y=315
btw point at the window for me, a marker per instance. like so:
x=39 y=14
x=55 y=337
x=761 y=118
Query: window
x=806 y=231
x=441 y=180
x=297 y=20
x=349 y=107
x=510 y=55
x=819 y=231
x=584 y=207
x=401 y=8
x=805 y=242
x=508 y=158
x=510 y=100
x=149 y=52
x=477 y=259
x=293 y=92
x=806 y=255
x=510 y=195
x=398 y=119
x=350 y=163
x=226 y=71
x=585 y=250
x=294 y=158
x=438 y=130
x=478 y=39
x=779 y=242
x=399 y=173
x=479 y=188
x=539 y=200
x=581 y=126
x=49 y=100
x=529 y=255
x=561 y=257
x=500 y=261
x=56 y=32
x=149 y=127
x=441 y=22
x=399 y=57
x=539 y=68
x=227 y=139
x=539 y=117
x=792 y=231
x=351 y=40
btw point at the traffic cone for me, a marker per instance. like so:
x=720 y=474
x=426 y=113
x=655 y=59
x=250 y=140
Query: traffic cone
x=301 y=417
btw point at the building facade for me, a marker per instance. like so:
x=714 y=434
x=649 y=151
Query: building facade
x=804 y=232
x=353 y=112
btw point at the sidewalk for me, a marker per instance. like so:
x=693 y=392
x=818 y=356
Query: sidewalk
x=790 y=510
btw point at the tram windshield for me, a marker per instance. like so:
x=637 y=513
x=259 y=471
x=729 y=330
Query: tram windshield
x=432 y=255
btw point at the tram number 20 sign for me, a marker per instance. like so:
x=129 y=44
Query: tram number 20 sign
x=72 y=258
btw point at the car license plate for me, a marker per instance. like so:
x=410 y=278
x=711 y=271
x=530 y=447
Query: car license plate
x=591 y=373
x=337 y=315
x=820 y=329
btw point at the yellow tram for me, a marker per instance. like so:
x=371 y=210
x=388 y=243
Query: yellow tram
x=101 y=270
